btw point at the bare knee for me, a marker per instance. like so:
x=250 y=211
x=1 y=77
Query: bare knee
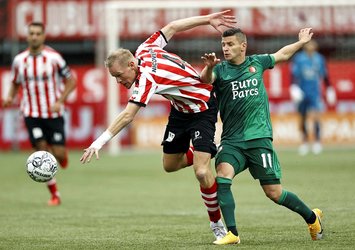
x=201 y=173
x=273 y=192
x=169 y=168
x=273 y=195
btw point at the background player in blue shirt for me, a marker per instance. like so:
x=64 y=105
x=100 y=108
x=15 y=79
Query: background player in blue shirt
x=309 y=70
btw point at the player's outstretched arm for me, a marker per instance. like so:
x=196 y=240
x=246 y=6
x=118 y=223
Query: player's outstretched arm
x=121 y=121
x=210 y=60
x=219 y=20
x=285 y=53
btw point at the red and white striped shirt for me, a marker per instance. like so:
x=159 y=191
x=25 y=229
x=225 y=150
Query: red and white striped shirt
x=41 y=77
x=164 y=73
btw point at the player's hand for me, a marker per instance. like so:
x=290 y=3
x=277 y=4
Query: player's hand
x=88 y=153
x=56 y=106
x=7 y=102
x=296 y=93
x=220 y=21
x=210 y=59
x=305 y=35
x=331 y=96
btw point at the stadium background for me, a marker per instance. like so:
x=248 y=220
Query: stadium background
x=78 y=29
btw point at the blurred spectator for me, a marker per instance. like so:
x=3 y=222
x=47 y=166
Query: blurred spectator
x=309 y=70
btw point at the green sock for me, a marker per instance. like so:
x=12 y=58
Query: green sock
x=291 y=201
x=226 y=201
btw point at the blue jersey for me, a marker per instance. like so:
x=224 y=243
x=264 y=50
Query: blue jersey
x=308 y=72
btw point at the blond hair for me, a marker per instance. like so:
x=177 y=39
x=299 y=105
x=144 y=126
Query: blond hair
x=122 y=56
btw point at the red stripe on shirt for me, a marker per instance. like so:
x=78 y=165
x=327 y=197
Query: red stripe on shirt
x=153 y=38
x=148 y=86
x=184 y=105
x=27 y=86
x=195 y=95
x=46 y=90
x=37 y=86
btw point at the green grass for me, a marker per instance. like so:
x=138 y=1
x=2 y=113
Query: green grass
x=129 y=202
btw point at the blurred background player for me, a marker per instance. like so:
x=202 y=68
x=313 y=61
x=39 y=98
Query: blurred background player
x=40 y=71
x=309 y=70
x=193 y=113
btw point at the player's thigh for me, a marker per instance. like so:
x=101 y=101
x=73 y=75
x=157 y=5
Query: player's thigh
x=202 y=130
x=176 y=139
x=263 y=162
x=173 y=162
x=233 y=156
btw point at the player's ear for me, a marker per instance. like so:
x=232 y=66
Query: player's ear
x=243 y=46
x=131 y=64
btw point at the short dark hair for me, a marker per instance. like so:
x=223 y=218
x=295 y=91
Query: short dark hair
x=241 y=37
x=38 y=24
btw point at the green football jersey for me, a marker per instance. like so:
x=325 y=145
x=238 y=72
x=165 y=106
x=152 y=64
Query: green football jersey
x=242 y=98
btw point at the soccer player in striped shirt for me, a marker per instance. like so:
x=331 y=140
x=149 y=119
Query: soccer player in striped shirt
x=247 y=131
x=40 y=71
x=193 y=114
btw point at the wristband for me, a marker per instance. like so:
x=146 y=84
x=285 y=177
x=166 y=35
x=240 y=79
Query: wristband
x=101 y=140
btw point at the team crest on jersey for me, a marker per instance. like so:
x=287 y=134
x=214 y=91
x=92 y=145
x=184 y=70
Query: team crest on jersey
x=252 y=69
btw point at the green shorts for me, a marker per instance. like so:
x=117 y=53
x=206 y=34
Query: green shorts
x=257 y=155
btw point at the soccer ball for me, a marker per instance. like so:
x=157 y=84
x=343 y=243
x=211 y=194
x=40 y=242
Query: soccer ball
x=41 y=166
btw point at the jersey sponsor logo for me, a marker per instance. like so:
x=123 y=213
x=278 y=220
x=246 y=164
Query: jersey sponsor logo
x=242 y=89
x=154 y=60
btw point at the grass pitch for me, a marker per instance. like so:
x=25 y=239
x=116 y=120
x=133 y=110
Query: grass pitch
x=129 y=202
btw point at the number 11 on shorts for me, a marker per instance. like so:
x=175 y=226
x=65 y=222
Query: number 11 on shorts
x=266 y=159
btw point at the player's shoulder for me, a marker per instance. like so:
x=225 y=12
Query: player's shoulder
x=300 y=55
x=50 y=51
x=320 y=56
x=258 y=57
x=22 y=55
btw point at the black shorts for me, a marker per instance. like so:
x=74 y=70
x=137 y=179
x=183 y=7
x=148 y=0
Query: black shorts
x=198 y=127
x=50 y=130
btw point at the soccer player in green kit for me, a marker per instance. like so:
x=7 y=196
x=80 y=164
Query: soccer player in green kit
x=247 y=131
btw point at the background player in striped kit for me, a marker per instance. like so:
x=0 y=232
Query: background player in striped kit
x=40 y=72
x=247 y=131
x=193 y=114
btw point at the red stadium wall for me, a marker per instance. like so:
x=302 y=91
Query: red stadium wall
x=88 y=21
x=86 y=107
